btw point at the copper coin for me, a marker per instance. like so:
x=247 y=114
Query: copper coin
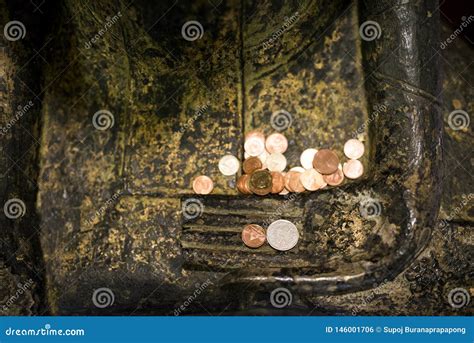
x=312 y=180
x=251 y=164
x=295 y=183
x=254 y=143
x=353 y=169
x=255 y=133
x=326 y=161
x=260 y=182
x=276 y=162
x=287 y=180
x=243 y=184
x=278 y=182
x=354 y=149
x=285 y=190
x=253 y=235
x=334 y=179
x=276 y=142
x=203 y=185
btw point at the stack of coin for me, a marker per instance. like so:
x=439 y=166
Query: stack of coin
x=263 y=164
x=318 y=168
x=353 y=149
x=264 y=167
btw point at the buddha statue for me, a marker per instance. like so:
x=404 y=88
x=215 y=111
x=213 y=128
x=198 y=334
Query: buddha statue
x=132 y=101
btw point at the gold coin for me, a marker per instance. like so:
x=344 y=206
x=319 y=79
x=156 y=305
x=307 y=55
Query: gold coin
x=260 y=182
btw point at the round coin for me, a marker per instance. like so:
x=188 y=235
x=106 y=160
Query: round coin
x=278 y=182
x=354 y=149
x=203 y=185
x=312 y=180
x=298 y=169
x=288 y=177
x=285 y=191
x=353 y=169
x=243 y=184
x=254 y=143
x=307 y=158
x=326 y=161
x=336 y=178
x=295 y=182
x=260 y=182
x=253 y=235
x=276 y=162
x=251 y=164
x=255 y=133
x=229 y=165
x=282 y=235
x=276 y=142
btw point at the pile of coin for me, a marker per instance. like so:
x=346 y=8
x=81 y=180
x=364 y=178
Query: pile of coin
x=264 y=167
x=264 y=172
x=281 y=235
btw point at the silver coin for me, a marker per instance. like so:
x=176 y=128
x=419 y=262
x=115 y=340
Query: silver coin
x=229 y=165
x=282 y=235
